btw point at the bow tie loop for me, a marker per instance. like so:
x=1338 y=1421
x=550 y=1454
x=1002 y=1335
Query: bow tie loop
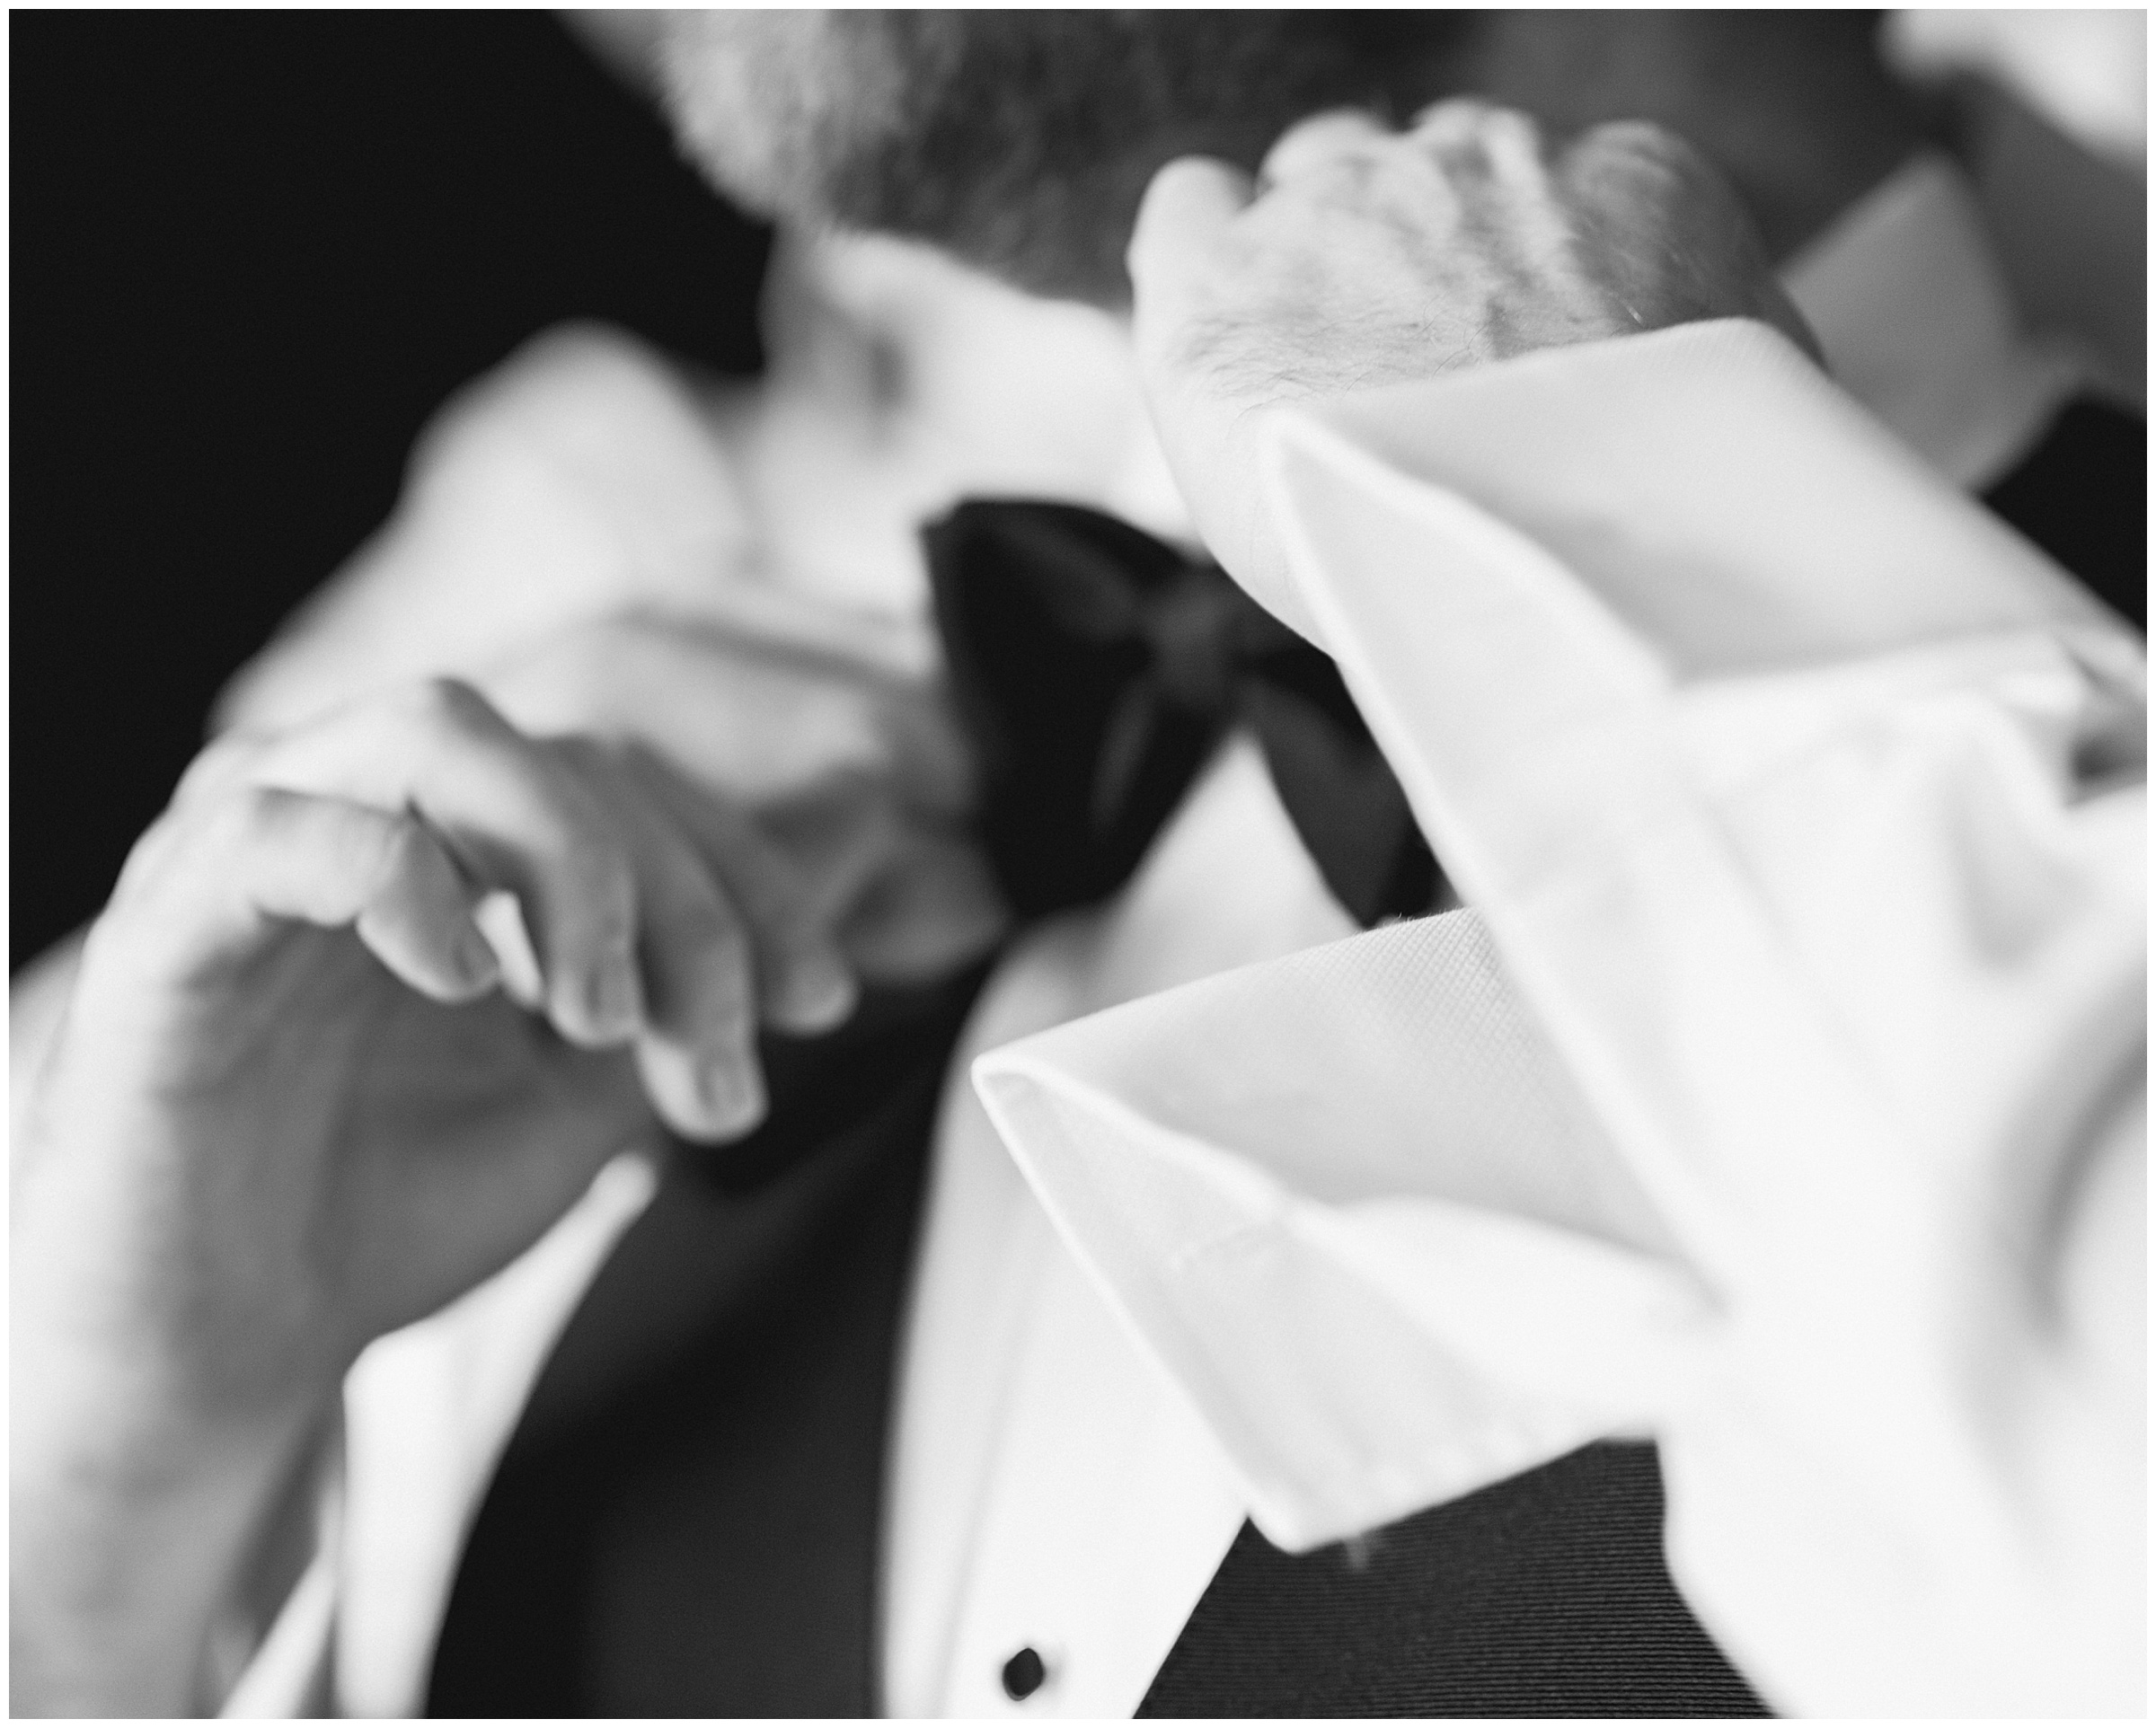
x=1097 y=669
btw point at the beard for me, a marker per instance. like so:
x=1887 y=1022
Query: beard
x=1019 y=141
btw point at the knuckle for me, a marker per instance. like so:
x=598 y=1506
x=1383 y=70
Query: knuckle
x=1641 y=144
x=1458 y=109
x=244 y=823
x=216 y=761
x=598 y=869
x=248 y=815
x=1177 y=170
x=146 y=857
x=1330 y=129
x=401 y=848
x=595 y=893
x=775 y=903
x=1511 y=127
x=1339 y=176
x=708 y=929
x=1456 y=119
x=584 y=754
x=1309 y=127
x=443 y=703
x=584 y=832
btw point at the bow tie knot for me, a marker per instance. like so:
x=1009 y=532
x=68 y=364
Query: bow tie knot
x=1199 y=632
x=1096 y=670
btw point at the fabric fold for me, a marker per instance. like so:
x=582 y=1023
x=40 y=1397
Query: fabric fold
x=1477 y=1285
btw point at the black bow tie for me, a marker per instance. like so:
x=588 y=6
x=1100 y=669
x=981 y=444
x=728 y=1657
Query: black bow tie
x=1097 y=669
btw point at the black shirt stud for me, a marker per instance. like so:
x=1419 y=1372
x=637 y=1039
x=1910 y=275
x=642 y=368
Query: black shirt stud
x=1023 y=1674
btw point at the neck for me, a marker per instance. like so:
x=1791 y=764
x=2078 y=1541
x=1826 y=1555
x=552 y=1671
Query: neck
x=943 y=382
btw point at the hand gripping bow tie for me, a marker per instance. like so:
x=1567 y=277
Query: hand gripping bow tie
x=1097 y=669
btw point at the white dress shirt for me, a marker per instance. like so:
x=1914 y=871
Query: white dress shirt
x=1093 y=1395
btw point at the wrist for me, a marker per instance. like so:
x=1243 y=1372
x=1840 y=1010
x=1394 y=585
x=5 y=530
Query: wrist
x=132 y=1514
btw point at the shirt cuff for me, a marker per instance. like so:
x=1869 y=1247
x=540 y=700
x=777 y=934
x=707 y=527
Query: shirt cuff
x=1805 y=968
x=1707 y=489
x=1351 y=1203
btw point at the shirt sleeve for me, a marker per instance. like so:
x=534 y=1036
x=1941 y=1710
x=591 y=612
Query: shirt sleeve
x=1780 y=1098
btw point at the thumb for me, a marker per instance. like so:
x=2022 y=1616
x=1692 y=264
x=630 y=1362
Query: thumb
x=1185 y=208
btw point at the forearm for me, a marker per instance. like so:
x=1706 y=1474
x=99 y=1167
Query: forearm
x=125 y=1526
x=131 y=1525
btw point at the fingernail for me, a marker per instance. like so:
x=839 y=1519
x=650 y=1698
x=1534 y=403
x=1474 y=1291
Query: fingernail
x=616 y=998
x=819 y=993
x=732 y=1092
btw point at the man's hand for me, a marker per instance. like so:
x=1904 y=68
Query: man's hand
x=1363 y=257
x=850 y=763
x=290 y=1110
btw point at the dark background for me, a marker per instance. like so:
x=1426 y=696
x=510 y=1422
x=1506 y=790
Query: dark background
x=251 y=252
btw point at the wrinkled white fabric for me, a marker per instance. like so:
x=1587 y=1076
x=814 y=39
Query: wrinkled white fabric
x=1755 y=1105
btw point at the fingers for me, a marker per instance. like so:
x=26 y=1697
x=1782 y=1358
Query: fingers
x=1192 y=199
x=1478 y=140
x=803 y=984
x=1457 y=121
x=264 y=855
x=834 y=841
x=1185 y=208
x=697 y=1052
x=1625 y=168
x=221 y=764
x=419 y=921
x=1464 y=136
x=512 y=815
x=906 y=899
x=1670 y=231
x=414 y=818
x=932 y=908
x=655 y=912
x=1319 y=140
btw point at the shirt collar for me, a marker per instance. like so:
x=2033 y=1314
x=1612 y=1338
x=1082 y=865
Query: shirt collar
x=1907 y=299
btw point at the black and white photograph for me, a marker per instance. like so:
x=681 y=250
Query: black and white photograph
x=1020 y=864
